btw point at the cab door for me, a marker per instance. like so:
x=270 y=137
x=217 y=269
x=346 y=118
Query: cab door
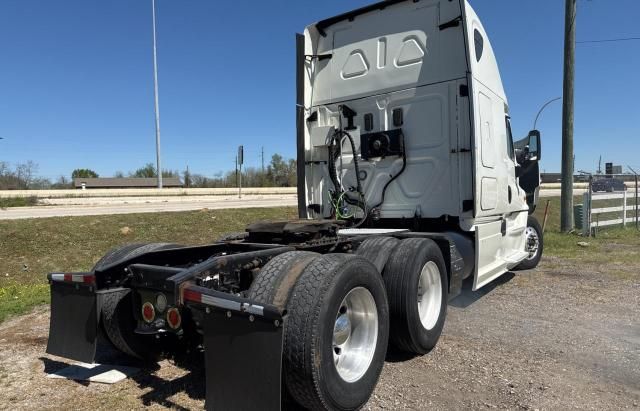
x=488 y=164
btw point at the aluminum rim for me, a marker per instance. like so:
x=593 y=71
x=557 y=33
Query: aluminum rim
x=355 y=334
x=429 y=295
x=533 y=242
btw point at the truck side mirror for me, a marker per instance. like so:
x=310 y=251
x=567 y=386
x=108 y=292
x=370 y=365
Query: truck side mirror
x=528 y=149
x=533 y=148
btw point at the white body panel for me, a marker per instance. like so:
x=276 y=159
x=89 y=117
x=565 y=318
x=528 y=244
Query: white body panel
x=458 y=148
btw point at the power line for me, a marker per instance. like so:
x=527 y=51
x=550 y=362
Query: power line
x=608 y=40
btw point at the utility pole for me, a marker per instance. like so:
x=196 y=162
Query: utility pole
x=240 y=162
x=262 y=154
x=599 y=166
x=566 y=197
x=155 y=94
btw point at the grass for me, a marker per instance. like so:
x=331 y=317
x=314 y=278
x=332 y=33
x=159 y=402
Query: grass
x=614 y=245
x=18 y=202
x=29 y=249
x=19 y=298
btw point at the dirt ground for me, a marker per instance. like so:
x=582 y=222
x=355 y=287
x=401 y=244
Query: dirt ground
x=563 y=336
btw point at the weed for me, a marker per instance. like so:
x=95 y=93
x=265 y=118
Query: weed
x=18 y=202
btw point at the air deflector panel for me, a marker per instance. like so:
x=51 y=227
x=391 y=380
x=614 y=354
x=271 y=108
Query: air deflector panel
x=388 y=50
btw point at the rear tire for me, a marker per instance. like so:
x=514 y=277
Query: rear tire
x=129 y=251
x=377 y=250
x=535 y=242
x=274 y=284
x=336 y=311
x=417 y=287
x=119 y=325
x=276 y=279
x=117 y=317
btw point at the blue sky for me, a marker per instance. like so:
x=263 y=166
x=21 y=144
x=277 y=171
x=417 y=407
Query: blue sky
x=76 y=87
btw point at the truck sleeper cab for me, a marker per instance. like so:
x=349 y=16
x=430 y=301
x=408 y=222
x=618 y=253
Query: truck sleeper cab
x=420 y=82
x=409 y=183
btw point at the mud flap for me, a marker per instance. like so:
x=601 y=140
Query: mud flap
x=243 y=363
x=243 y=351
x=73 y=327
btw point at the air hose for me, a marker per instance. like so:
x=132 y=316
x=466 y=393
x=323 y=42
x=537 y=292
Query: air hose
x=340 y=195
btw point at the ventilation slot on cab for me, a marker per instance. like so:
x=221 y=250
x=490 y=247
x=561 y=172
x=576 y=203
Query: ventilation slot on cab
x=368 y=122
x=397 y=117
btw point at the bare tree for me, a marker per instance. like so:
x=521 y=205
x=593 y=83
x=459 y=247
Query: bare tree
x=25 y=173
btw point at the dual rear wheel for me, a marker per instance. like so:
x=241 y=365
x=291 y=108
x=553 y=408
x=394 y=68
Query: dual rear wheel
x=341 y=313
x=337 y=326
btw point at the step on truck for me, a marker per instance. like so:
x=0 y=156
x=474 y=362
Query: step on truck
x=409 y=183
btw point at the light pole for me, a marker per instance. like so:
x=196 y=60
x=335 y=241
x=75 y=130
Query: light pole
x=155 y=94
x=542 y=109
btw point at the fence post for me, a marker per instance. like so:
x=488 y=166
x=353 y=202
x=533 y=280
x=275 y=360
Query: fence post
x=586 y=214
x=624 y=209
x=636 y=202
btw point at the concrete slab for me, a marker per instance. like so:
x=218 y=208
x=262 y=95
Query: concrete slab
x=105 y=374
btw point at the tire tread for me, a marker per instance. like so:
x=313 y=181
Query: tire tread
x=377 y=250
x=301 y=379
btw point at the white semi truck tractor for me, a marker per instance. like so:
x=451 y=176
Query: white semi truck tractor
x=409 y=183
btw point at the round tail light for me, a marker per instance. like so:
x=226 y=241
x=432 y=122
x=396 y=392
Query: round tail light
x=174 y=319
x=148 y=312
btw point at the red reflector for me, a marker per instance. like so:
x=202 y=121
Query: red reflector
x=192 y=296
x=173 y=318
x=68 y=277
x=148 y=312
x=89 y=279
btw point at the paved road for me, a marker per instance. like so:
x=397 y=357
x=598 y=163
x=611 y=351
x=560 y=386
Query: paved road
x=144 y=192
x=187 y=204
x=64 y=207
x=556 y=192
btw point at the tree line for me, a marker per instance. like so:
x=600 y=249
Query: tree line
x=280 y=172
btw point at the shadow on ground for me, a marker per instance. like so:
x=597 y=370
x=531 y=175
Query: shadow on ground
x=468 y=297
x=158 y=390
